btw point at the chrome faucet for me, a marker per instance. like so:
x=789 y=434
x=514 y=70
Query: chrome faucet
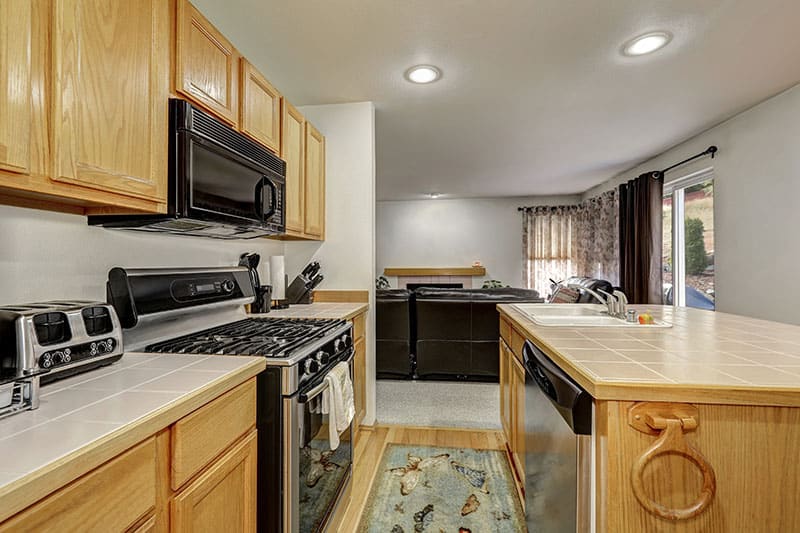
x=617 y=303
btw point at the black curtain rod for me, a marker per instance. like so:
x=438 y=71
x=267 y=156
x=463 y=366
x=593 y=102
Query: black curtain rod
x=711 y=150
x=659 y=174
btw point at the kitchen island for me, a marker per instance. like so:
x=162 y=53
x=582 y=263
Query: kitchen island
x=150 y=442
x=720 y=390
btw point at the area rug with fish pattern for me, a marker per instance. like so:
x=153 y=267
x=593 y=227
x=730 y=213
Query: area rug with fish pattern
x=422 y=489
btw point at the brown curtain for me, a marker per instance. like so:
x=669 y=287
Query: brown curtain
x=570 y=240
x=640 y=215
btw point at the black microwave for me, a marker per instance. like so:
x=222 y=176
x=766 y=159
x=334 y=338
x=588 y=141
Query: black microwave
x=221 y=184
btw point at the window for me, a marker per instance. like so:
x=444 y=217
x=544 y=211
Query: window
x=688 y=243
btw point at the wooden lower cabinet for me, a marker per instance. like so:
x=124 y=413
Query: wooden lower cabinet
x=132 y=491
x=512 y=408
x=223 y=498
x=112 y=498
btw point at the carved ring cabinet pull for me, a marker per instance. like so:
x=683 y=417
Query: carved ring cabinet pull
x=671 y=440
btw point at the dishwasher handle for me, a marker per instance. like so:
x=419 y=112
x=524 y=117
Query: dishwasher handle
x=571 y=401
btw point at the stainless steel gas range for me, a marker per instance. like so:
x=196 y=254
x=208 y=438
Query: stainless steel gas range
x=200 y=311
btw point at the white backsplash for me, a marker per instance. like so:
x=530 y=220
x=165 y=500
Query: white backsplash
x=45 y=255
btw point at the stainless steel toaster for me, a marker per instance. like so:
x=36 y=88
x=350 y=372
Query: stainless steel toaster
x=42 y=342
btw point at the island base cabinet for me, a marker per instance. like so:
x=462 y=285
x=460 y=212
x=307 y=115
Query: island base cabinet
x=752 y=451
x=223 y=498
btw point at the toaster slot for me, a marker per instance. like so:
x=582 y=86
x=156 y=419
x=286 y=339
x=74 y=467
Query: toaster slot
x=51 y=328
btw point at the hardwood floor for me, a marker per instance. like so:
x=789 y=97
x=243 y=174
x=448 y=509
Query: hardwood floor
x=373 y=440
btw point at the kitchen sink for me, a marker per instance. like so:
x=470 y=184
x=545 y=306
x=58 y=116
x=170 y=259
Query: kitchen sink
x=578 y=315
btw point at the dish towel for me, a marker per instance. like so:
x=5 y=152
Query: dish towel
x=337 y=402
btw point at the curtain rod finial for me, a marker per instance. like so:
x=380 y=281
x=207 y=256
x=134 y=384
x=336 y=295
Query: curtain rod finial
x=712 y=150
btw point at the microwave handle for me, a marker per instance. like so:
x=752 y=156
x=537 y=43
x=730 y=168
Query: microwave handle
x=273 y=198
x=259 y=197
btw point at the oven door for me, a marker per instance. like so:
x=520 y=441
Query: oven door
x=317 y=475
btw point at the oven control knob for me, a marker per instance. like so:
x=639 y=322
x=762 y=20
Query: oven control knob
x=311 y=366
x=322 y=357
x=227 y=286
x=346 y=340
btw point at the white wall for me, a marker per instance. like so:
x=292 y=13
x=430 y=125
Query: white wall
x=45 y=256
x=756 y=199
x=456 y=232
x=347 y=255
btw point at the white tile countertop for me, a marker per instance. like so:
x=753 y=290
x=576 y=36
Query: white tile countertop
x=142 y=393
x=706 y=357
x=341 y=311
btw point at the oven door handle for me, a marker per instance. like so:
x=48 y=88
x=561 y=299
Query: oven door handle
x=305 y=397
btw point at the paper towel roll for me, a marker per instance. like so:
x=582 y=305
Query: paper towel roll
x=277 y=277
x=263 y=272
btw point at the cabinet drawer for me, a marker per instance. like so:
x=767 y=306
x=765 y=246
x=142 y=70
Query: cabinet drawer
x=517 y=342
x=111 y=498
x=359 y=326
x=203 y=435
x=505 y=330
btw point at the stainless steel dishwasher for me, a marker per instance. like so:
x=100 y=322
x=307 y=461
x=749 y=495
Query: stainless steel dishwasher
x=558 y=444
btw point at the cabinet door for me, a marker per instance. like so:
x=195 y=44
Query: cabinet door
x=111 y=83
x=360 y=378
x=505 y=392
x=15 y=85
x=518 y=415
x=260 y=117
x=223 y=498
x=293 y=142
x=315 y=183
x=113 y=497
x=206 y=64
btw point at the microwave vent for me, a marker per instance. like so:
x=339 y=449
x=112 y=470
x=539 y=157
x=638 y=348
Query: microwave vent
x=205 y=125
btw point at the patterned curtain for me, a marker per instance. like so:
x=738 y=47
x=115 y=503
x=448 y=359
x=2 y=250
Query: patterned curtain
x=573 y=240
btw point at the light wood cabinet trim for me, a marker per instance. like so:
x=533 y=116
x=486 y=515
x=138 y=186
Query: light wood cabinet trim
x=293 y=145
x=149 y=526
x=517 y=343
x=434 y=271
x=337 y=296
x=189 y=79
x=112 y=498
x=314 y=200
x=359 y=326
x=518 y=415
x=107 y=105
x=505 y=390
x=360 y=378
x=238 y=500
x=201 y=436
x=505 y=330
x=260 y=114
x=16 y=64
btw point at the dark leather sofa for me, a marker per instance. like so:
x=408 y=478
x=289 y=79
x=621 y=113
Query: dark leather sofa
x=395 y=330
x=457 y=331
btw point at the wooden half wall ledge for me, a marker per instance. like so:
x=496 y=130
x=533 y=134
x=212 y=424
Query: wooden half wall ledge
x=435 y=271
x=332 y=296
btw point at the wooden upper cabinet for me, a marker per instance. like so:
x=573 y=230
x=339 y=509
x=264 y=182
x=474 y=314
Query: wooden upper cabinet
x=111 y=87
x=314 y=200
x=15 y=85
x=260 y=117
x=293 y=142
x=206 y=64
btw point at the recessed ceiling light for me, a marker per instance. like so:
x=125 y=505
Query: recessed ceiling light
x=423 y=74
x=434 y=195
x=647 y=43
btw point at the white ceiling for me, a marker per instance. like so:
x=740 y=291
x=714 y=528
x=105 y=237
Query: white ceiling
x=536 y=98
